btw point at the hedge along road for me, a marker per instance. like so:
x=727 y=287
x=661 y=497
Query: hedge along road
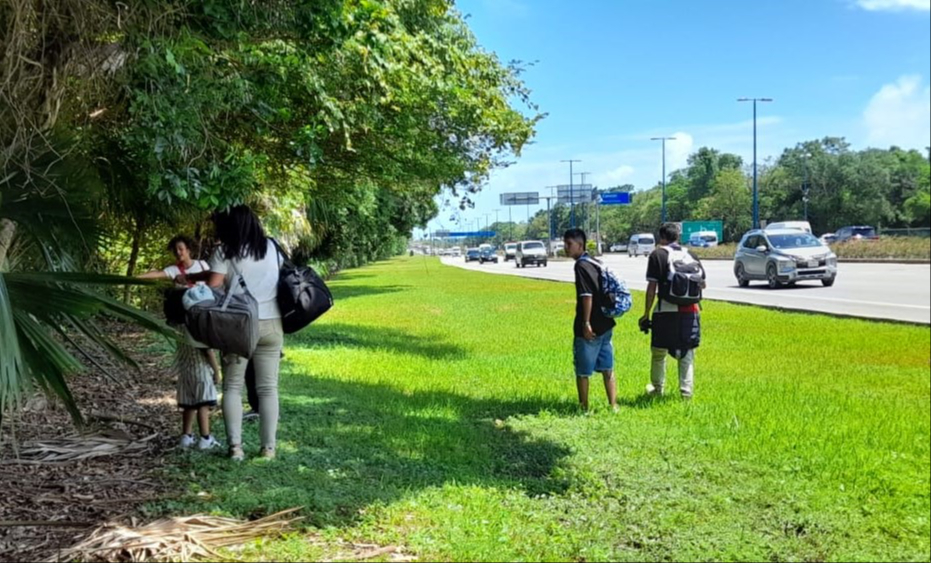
x=895 y=292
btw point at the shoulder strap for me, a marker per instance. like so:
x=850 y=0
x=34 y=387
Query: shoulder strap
x=281 y=252
x=592 y=261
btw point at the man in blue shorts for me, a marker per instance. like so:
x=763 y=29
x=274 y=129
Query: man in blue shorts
x=592 y=347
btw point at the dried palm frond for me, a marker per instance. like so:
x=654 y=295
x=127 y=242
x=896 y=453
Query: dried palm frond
x=79 y=448
x=175 y=539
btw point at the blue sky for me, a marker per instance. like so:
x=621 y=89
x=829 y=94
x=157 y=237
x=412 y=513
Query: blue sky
x=613 y=73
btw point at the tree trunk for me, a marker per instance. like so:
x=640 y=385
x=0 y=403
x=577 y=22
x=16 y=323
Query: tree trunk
x=134 y=255
x=7 y=230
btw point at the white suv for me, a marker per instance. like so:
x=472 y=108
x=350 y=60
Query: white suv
x=642 y=244
x=530 y=252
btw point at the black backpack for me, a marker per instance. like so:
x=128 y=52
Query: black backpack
x=683 y=286
x=302 y=295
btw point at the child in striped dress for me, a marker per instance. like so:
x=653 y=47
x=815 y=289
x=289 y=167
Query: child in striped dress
x=196 y=365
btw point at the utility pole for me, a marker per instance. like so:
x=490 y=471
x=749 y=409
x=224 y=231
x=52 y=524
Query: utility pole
x=587 y=214
x=597 y=222
x=806 y=189
x=571 y=192
x=549 y=223
x=663 y=139
x=756 y=196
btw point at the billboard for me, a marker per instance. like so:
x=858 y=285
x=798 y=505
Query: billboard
x=520 y=198
x=576 y=193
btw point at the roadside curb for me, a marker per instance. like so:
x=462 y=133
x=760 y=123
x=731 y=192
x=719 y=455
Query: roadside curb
x=845 y=260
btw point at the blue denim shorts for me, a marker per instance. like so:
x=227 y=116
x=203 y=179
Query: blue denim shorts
x=593 y=355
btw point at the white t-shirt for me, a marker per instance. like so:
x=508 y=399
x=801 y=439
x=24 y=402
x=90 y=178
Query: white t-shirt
x=197 y=267
x=261 y=277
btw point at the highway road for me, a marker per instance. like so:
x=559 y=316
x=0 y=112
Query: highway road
x=899 y=292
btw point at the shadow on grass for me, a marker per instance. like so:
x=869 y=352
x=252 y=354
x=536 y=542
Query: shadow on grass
x=345 y=447
x=644 y=401
x=324 y=336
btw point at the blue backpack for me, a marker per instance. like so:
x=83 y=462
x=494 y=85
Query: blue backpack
x=616 y=297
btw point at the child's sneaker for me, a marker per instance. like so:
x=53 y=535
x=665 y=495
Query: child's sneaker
x=208 y=443
x=236 y=453
x=267 y=453
x=186 y=441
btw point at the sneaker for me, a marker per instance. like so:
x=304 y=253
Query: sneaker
x=236 y=453
x=267 y=453
x=186 y=441
x=208 y=443
x=250 y=416
x=654 y=391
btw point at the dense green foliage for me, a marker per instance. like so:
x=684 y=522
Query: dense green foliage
x=339 y=121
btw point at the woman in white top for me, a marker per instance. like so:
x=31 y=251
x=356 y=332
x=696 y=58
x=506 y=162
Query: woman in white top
x=198 y=371
x=244 y=249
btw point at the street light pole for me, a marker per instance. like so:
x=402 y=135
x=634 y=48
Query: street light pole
x=756 y=197
x=806 y=189
x=663 y=139
x=571 y=192
x=582 y=187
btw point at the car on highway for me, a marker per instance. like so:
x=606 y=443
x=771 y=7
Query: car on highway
x=783 y=257
x=473 y=255
x=510 y=250
x=856 y=234
x=618 y=247
x=530 y=252
x=642 y=244
x=487 y=254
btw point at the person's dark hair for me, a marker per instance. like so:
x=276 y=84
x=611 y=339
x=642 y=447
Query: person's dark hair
x=188 y=242
x=240 y=233
x=669 y=232
x=577 y=235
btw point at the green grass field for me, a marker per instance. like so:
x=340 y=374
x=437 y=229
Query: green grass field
x=434 y=408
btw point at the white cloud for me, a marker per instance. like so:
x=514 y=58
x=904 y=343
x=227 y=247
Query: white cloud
x=678 y=151
x=894 y=5
x=620 y=175
x=900 y=114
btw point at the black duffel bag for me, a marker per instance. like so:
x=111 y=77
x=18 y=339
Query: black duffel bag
x=302 y=295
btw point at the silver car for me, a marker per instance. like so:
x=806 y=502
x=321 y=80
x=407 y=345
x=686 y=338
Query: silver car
x=783 y=257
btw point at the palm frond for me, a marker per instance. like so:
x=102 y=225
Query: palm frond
x=47 y=362
x=47 y=301
x=11 y=361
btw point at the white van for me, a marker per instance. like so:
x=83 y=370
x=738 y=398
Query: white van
x=644 y=244
x=703 y=239
x=797 y=225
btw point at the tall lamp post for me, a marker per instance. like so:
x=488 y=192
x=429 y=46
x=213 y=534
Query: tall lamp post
x=756 y=197
x=582 y=187
x=806 y=188
x=663 y=139
x=571 y=192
